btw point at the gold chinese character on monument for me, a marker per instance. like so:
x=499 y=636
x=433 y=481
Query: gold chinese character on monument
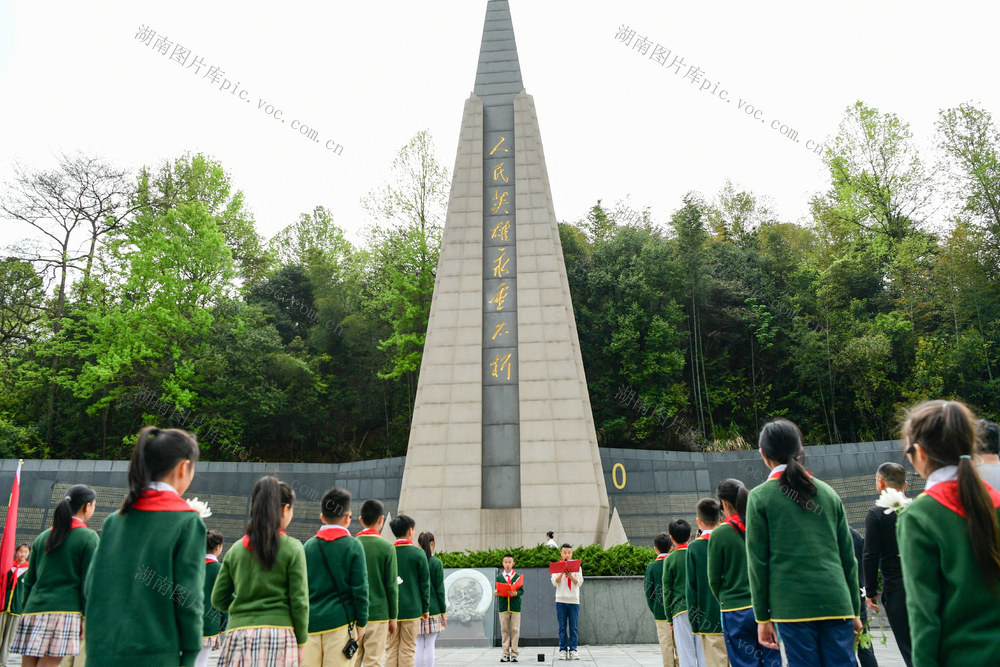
x=498 y=173
x=500 y=264
x=502 y=230
x=500 y=296
x=500 y=330
x=501 y=200
x=502 y=139
x=500 y=364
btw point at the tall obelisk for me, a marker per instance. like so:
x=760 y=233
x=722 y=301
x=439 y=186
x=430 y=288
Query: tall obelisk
x=502 y=443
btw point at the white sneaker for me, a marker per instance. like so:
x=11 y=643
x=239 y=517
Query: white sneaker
x=564 y=655
x=573 y=655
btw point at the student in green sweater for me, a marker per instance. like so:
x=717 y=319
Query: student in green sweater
x=151 y=562
x=728 y=579
x=383 y=589
x=703 y=608
x=509 y=609
x=437 y=619
x=689 y=651
x=53 y=586
x=414 y=593
x=949 y=545
x=338 y=584
x=800 y=558
x=263 y=585
x=12 y=607
x=654 y=600
x=213 y=618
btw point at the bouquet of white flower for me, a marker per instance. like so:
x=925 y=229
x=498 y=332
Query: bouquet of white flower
x=893 y=500
x=200 y=506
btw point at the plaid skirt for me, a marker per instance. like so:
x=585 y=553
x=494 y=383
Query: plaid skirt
x=259 y=647
x=212 y=643
x=39 y=635
x=431 y=625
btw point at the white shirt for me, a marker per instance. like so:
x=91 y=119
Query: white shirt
x=551 y=543
x=942 y=474
x=161 y=486
x=778 y=468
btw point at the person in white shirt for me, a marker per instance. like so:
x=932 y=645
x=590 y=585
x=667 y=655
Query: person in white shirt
x=552 y=540
x=567 y=606
x=987 y=450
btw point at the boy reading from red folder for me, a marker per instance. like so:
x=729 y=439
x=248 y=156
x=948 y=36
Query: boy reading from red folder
x=509 y=588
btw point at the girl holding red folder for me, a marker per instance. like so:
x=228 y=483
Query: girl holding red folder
x=567 y=578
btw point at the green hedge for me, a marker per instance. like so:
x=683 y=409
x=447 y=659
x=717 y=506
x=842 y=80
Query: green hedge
x=622 y=560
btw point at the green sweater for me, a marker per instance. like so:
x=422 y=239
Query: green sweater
x=414 y=590
x=212 y=620
x=145 y=588
x=654 y=589
x=509 y=604
x=276 y=597
x=338 y=583
x=383 y=589
x=801 y=562
x=954 y=616
x=675 y=582
x=727 y=568
x=703 y=608
x=436 y=572
x=54 y=582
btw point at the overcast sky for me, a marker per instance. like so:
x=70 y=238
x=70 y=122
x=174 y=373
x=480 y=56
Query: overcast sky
x=370 y=75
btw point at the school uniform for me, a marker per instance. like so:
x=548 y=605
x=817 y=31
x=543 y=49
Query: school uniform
x=730 y=584
x=53 y=594
x=954 y=615
x=568 y=608
x=268 y=607
x=383 y=596
x=414 y=601
x=146 y=593
x=509 y=609
x=703 y=608
x=434 y=623
x=338 y=594
x=213 y=619
x=689 y=651
x=803 y=573
x=653 y=586
x=881 y=555
x=10 y=609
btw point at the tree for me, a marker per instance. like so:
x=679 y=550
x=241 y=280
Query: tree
x=21 y=301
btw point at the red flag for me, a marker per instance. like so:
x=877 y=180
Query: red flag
x=9 y=543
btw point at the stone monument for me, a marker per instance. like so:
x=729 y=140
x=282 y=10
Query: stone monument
x=502 y=444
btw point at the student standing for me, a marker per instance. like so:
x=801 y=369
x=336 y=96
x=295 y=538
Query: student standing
x=949 y=543
x=800 y=558
x=11 y=607
x=414 y=593
x=263 y=586
x=654 y=600
x=728 y=579
x=703 y=608
x=550 y=540
x=383 y=588
x=988 y=453
x=510 y=609
x=866 y=656
x=151 y=559
x=567 y=606
x=338 y=585
x=882 y=556
x=689 y=651
x=53 y=586
x=438 y=619
x=212 y=620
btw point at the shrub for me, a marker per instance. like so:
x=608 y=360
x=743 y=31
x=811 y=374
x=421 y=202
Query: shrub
x=619 y=561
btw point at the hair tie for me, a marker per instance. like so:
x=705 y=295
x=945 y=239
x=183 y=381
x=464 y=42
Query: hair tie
x=68 y=498
x=965 y=456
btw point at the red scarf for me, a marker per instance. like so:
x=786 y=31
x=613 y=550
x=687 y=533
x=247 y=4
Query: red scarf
x=246 y=539
x=776 y=475
x=211 y=558
x=77 y=522
x=662 y=556
x=681 y=547
x=734 y=521
x=946 y=493
x=369 y=531
x=329 y=533
x=161 y=501
x=402 y=543
x=705 y=536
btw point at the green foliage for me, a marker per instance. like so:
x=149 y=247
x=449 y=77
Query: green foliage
x=623 y=560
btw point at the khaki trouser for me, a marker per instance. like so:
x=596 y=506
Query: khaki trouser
x=403 y=645
x=8 y=625
x=665 y=635
x=372 y=651
x=714 y=647
x=510 y=628
x=326 y=649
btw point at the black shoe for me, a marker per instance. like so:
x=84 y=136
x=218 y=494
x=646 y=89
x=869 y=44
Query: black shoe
x=504 y=658
x=513 y=659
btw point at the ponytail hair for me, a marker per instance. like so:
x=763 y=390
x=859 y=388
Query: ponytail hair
x=424 y=541
x=781 y=441
x=62 y=519
x=946 y=431
x=735 y=493
x=269 y=495
x=156 y=453
x=213 y=539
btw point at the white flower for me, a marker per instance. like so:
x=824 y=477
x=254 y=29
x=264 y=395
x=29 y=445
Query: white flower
x=892 y=500
x=399 y=580
x=200 y=506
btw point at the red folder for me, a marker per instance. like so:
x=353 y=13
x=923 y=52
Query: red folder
x=564 y=566
x=506 y=590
